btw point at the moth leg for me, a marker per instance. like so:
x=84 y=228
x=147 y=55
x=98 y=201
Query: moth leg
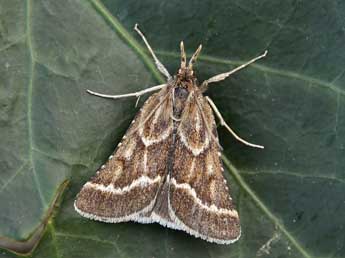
x=223 y=123
x=134 y=94
x=223 y=76
x=159 y=65
x=207 y=126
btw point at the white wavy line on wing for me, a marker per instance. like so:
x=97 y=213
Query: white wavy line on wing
x=212 y=208
x=142 y=181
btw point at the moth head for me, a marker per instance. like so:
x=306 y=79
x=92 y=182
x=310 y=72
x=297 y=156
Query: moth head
x=186 y=72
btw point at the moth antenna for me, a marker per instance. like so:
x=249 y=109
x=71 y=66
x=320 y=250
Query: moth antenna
x=158 y=63
x=183 y=55
x=194 y=57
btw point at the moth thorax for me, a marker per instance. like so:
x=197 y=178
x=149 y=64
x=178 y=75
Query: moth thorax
x=180 y=97
x=185 y=74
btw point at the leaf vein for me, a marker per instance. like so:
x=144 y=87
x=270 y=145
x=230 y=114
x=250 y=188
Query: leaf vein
x=121 y=30
x=294 y=75
x=15 y=174
x=30 y=93
x=285 y=173
x=242 y=183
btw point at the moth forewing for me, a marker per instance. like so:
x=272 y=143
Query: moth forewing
x=167 y=168
x=127 y=184
x=197 y=178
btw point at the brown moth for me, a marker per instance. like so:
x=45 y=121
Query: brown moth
x=167 y=168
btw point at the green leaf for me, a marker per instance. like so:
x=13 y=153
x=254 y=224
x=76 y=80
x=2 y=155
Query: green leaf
x=290 y=195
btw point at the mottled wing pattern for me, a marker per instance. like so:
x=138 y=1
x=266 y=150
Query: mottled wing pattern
x=199 y=200
x=126 y=186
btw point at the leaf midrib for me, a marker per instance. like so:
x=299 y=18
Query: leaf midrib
x=119 y=28
x=32 y=64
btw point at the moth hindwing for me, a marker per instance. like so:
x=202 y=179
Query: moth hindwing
x=167 y=168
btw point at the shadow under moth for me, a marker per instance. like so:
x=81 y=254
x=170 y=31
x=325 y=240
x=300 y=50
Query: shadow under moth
x=167 y=168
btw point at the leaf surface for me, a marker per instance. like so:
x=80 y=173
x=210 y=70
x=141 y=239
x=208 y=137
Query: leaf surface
x=290 y=195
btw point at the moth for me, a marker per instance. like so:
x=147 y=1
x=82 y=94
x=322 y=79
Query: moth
x=167 y=168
